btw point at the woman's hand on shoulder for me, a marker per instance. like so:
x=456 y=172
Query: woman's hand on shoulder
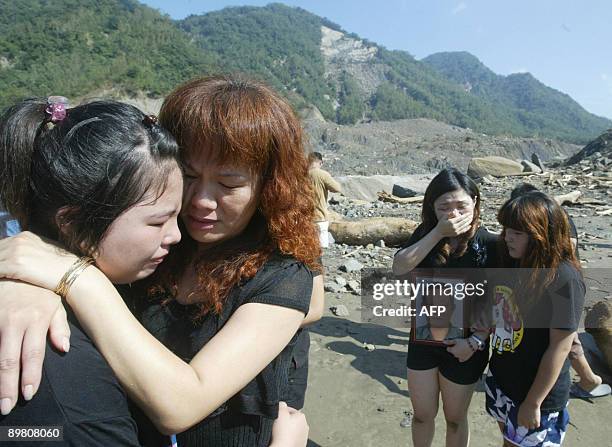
x=32 y=259
x=290 y=429
x=27 y=313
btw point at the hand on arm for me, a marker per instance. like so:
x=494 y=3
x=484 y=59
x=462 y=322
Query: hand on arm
x=548 y=373
x=27 y=313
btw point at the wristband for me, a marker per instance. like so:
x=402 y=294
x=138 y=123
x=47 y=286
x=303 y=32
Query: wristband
x=479 y=343
x=63 y=286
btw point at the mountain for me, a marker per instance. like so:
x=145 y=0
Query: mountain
x=79 y=47
x=75 y=47
x=533 y=103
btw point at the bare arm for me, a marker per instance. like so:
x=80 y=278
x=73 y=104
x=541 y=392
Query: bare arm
x=548 y=373
x=408 y=258
x=174 y=394
x=317 y=302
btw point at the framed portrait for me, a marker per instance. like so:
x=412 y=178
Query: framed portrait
x=439 y=309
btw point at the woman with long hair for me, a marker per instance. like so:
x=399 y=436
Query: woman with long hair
x=449 y=236
x=103 y=180
x=229 y=299
x=537 y=310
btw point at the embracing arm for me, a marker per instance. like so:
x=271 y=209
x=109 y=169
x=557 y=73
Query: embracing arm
x=175 y=394
x=317 y=302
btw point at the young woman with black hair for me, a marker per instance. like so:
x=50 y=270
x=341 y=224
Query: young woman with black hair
x=449 y=236
x=101 y=179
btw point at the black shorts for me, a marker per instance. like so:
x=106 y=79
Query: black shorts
x=423 y=357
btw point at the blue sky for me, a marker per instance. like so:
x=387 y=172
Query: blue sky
x=565 y=44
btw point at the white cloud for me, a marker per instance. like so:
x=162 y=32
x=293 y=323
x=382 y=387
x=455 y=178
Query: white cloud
x=459 y=8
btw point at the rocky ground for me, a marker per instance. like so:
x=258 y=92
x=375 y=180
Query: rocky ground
x=416 y=146
x=357 y=389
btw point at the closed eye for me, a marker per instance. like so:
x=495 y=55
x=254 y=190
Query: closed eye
x=225 y=185
x=158 y=224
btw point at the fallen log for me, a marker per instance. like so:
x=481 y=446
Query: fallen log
x=393 y=230
x=386 y=197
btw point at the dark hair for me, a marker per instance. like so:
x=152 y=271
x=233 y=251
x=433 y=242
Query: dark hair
x=315 y=156
x=521 y=189
x=547 y=225
x=82 y=172
x=448 y=180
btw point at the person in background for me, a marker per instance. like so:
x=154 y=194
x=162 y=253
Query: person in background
x=322 y=182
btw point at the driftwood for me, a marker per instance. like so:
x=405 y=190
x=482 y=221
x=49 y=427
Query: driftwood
x=598 y=322
x=569 y=198
x=386 y=197
x=392 y=230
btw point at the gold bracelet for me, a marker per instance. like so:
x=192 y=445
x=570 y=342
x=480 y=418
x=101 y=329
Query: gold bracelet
x=71 y=275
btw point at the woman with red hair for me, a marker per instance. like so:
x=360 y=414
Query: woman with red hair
x=228 y=301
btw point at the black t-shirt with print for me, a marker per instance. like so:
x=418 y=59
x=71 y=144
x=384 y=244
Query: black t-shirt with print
x=518 y=344
x=245 y=419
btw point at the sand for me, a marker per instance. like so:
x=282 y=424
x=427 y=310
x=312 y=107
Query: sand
x=358 y=397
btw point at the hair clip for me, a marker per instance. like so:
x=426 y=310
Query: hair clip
x=56 y=108
x=149 y=120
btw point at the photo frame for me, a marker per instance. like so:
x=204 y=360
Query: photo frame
x=437 y=315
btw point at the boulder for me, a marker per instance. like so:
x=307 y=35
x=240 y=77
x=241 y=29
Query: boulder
x=392 y=230
x=535 y=159
x=363 y=187
x=495 y=166
x=352 y=265
x=598 y=323
x=530 y=167
x=403 y=191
